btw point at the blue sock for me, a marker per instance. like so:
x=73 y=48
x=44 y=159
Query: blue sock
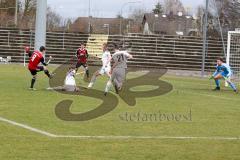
x=217 y=83
x=232 y=85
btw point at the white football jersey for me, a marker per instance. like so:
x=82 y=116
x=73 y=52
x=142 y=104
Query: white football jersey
x=106 y=59
x=70 y=79
x=121 y=57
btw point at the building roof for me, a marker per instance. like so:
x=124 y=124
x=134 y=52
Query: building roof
x=97 y=25
x=168 y=24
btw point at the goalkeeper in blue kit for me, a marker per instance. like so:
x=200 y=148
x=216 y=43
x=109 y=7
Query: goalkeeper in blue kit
x=223 y=71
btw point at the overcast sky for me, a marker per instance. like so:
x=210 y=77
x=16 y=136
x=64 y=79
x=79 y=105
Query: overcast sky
x=107 y=8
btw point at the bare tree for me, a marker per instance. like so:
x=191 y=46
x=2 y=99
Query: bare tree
x=53 y=20
x=66 y=23
x=7 y=11
x=29 y=7
x=228 y=12
x=199 y=21
x=137 y=14
x=27 y=13
x=173 y=6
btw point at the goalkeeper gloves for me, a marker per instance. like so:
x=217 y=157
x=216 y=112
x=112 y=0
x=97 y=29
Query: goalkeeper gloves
x=226 y=78
x=212 y=77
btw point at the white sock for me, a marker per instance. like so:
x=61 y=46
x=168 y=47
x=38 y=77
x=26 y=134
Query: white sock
x=90 y=85
x=108 y=86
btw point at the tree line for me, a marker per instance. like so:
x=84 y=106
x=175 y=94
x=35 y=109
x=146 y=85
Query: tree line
x=223 y=15
x=27 y=15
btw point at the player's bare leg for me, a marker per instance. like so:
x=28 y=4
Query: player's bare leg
x=94 y=78
x=77 y=67
x=86 y=70
x=108 y=85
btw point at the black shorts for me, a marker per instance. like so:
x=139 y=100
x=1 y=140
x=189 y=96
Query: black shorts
x=39 y=69
x=79 y=64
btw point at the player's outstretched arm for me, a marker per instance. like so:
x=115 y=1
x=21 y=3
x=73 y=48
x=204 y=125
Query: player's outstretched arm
x=127 y=54
x=76 y=53
x=28 y=51
x=211 y=77
x=44 y=63
x=130 y=56
x=214 y=74
x=30 y=54
x=50 y=59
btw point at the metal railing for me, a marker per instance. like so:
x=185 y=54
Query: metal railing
x=164 y=50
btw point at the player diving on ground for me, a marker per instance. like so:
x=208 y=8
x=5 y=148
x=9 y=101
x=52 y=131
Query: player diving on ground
x=223 y=71
x=69 y=82
x=105 y=69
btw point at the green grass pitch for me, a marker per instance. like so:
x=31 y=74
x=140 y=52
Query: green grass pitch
x=214 y=115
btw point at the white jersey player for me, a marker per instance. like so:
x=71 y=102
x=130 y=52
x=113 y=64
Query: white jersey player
x=69 y=82
x=105 y=69
x=119 y=68
x=106 y=63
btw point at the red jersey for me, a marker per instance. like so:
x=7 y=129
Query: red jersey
x=82 y=55
x=35 y=59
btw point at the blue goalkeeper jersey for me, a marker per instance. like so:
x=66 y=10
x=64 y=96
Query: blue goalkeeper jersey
x=224 y=69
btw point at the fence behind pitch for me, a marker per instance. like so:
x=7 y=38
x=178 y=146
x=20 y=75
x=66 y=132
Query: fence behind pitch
x=173 y=52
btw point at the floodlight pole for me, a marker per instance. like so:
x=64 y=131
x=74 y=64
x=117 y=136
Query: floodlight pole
x=16 y=14
x=41 y=24
x=89 y=16
x=205 y=38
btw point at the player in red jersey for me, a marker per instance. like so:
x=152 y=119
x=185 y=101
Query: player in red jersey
x=82 y=56
x=36 y=57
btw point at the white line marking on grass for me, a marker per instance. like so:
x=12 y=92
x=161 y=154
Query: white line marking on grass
x=27 y=127
x=111 y=137
x=147 y=137
x=213 y=96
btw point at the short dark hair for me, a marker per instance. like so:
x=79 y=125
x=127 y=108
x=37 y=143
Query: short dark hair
x=116 y=46
x=42 y=48
x=105 y=45
x=220 y=59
